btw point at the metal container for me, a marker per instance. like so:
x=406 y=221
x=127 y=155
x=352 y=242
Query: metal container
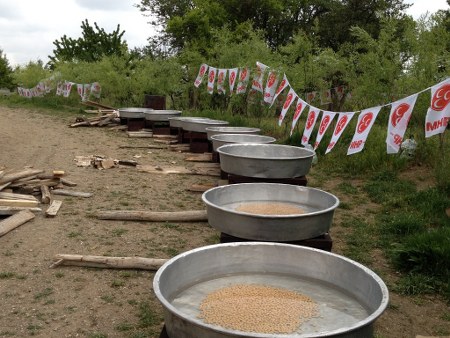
x=176 y=122
x=318 y=206
x=350 y=297
x=222 y=139
x=161 y=115
x=199 y=125
x=133 y=113
x=265 y=160
x=210 y=131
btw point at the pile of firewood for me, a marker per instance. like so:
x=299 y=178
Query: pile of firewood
x=104 y=120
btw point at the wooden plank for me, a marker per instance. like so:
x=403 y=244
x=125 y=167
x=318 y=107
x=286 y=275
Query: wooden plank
x=15 y=196
x=18 y=175
x=109 y=262
x=139 y=134
x=53 y=208
x=68 y=183
x=167 y=137
x=168 y=142
x=36 y=183
x=18 y=203
x=14 y=210
x=14 y=221
x=64 y=192
x=206 y=157
x=3 y=186
x=154 y=216
x=46 y=196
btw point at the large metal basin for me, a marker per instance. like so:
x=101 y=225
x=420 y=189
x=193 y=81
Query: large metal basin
x=350 y=296
x=161 y=115
x=265 y=160
x=221 y=203
x=133 y=112
x=211 y=131
x=222 y=139
x=176 y=122
x=200 y=124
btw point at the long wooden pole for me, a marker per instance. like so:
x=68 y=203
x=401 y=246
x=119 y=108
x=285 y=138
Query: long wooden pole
x=21 y=174
x=109 y=262
x=154 y=216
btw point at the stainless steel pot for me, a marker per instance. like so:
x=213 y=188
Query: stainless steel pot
x=211 y=131
x=133 y=112
x=265 y=160
x=176 y=122
x=350 y=297
x=222 y=139
x=161 y=115
x=200 y=124
x=318 y=205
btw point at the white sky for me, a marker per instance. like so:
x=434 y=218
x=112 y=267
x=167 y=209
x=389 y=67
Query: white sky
x=29 y=27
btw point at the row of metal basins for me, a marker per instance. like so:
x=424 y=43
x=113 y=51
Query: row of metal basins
x=203 y=291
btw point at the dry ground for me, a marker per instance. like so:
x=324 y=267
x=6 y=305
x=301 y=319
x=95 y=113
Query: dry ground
x=85 y=302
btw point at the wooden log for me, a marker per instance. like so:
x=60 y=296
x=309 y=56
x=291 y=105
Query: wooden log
x=58 y=173
x=53 y=208
x=14 y=221
x=139 y=134
x=68 y=183
x=142 y=263
x=46 y=196
x=205 y=157
x=18 y=175
x=80 y=124
x=18 y=203
x=166 y=137
x=64 y=192
x=15 y=196
x=128 y=162
x=154 y=216
x=36 y=183
x=3 y=186
x=14 y=210
x=179 y=170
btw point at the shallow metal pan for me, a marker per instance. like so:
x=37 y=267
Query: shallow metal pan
x=176 y=122
x=265 y=160
x=161 y=115
x=318 y=205
x=199 y=125
x=337 y=284
x=211 y=131
x=222 y=139
x=133 y=112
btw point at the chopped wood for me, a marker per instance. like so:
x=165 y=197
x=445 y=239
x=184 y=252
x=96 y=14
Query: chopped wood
x=80 y=124
x=46 y=196
x=168 y=142
x=58 y=173
x=128 y=162
x=143 y=263
x=83 y=161
x=205 y=157
x=139 y=134
x=154 y=216
x=207 y=165
x=106 y=164
x=178 y=170
x=119 y=127
x=168 y=137
x=68 y=183
x=64 y=192
x=18 y=203
x=14 y=221
x=14 y=210
x=36 y=183
x=19 y=175
x=3 y=186
x=15 y=196
x=53 y=208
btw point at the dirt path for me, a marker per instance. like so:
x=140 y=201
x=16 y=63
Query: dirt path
x=80 y=302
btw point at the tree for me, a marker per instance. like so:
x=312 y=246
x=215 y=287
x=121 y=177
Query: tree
x=6 y=78
x=91 y=47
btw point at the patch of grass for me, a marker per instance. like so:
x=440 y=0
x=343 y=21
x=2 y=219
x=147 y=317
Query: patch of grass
x=97 y=335
x=415 y=284
x=74 y=234
x=116 y=283
x=148 y=317
x=59 y=274
x=43 y=294
x=360 y=241
x=168 y=225
x=33 y=329
x=122 y=327
x=119 y=232
x=7 y=275
x=347 y=188
x=107 y=298
x=7 y=334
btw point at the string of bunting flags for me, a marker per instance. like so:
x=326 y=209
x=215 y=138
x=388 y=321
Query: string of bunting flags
x=62 y=88
x=436 y=120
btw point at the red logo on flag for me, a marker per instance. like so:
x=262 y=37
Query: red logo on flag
x=365 y=122
x=324 y=124
x=202 y=70
x=243 y=74
x=398 y=113
x=341 y=124
x=281 y=86
x=220 y=78
x=271 y=81
x=232 y=77
x=311 y=118
x=298 y=109
x=441 y=98
x=211 y=76
x=288 y=101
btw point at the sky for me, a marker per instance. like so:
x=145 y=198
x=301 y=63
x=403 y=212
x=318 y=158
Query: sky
x=29 y=27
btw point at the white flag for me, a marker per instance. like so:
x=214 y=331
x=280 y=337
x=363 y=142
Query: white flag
x=232 y=78
x=244 y=75
x=310 y=122
x=211 y=79
x=438 y=114
x=201 y=74
x=96 y=89
x=271 y=85
x=398 y=122
x=221 y=74
x=299 y=107
x=325 y=96
x=257 y=80
x=366 y=119
x=283 y=84
x=289 y=99
x=310 y=96
x=327 y=117
x=341 y=124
